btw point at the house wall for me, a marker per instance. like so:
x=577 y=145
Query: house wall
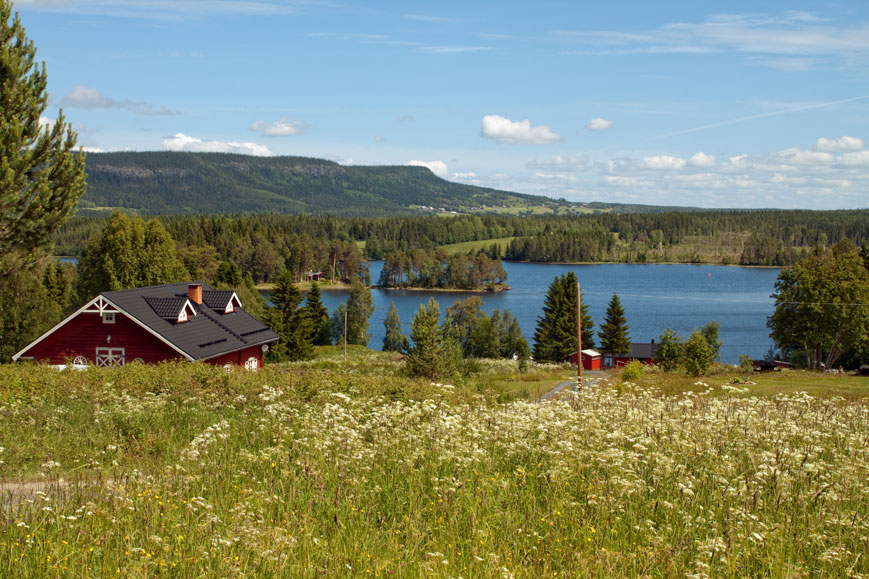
x=588 y=362
x=239 y=357
x=86 y=332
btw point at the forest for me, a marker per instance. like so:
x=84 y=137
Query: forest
x=437 y=269
x=264 y=244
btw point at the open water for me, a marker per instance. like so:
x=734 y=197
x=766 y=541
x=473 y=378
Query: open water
x=654 y=297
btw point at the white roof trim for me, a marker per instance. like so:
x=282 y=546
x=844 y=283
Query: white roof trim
x=102 y=302
x=235 y=297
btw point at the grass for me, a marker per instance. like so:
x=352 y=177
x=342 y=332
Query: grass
x=474 y=246
x=765 y=384
x=305 y=286
x=344 y=469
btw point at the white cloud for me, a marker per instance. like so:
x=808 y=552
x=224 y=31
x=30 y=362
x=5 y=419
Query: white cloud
x=663 y=162
x=439 y=168
x=560 y=163
x=701 y=159
x=281 y=128
x=464 y=176
x=797 y=156
x=84 y=97
x=46 y=122
x=504 y=130
x=380 y=139
x=855 y=158
x=784 y=42
x=599 y=124
x=182 y=142
x=840 y=145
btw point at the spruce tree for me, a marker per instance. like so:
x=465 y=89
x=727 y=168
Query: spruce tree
x=435 y=354
x=360 y=306
x=318 y=317
x=614 y=337
x=394 y=340
x=288 y=319
x=41 y=174
x=555 y=336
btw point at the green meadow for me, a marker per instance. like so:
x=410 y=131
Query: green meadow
x=334 y=468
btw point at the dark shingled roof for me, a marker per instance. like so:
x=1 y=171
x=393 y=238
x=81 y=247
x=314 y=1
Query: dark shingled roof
x=643 y=350
x=217 y=299
x=208 y=334
x=166 y=308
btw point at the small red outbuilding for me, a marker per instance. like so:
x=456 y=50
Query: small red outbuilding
x=189 y=321
x=591 y=360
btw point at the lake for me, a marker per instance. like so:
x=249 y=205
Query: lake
x=654 y=297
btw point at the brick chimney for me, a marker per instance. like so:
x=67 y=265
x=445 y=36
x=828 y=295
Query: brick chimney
x=194 y=292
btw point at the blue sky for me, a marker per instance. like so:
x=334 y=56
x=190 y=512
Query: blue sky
x=710 y=104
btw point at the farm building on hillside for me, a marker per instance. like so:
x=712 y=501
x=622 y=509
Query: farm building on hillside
x=591 y=360
x=642 y=351
x=188 y=321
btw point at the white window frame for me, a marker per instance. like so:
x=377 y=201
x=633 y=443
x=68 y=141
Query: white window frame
x=251 y=363
x=111 y=357
x=108 y=317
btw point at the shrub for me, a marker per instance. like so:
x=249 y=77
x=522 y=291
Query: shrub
x=633 y=371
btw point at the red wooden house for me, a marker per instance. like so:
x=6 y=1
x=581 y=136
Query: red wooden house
x=591 y=360
x=642 y=351
x=186 y=321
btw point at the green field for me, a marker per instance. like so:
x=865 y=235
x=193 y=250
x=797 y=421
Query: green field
x=330 y=468
x=474 y=246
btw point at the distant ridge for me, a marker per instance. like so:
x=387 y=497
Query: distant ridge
x=187 y=183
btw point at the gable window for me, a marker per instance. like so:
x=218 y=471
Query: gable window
x=110 y=357
x=108 y=317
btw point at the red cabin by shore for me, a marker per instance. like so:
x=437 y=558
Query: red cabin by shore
x=188 y=321
x=591 y=360
x=642 y=351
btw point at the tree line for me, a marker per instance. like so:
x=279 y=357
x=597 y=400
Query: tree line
x=435 y=268
x=266 y=244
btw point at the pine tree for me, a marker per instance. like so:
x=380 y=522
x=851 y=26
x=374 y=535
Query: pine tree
x=318 y=317
x=614 y=337
x=394 y=340
x=41 y=175
x=555 y=336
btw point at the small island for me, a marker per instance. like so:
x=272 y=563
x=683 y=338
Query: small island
x=438 y=270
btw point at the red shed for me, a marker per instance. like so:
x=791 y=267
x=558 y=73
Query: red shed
x=189 y=321
x=591 y=360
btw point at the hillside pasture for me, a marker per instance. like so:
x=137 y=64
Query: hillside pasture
x=329 y=468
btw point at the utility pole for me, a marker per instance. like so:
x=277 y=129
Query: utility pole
x=578 y=335
x=345 y=335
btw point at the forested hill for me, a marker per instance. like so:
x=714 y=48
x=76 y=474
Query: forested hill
x=185 y=183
